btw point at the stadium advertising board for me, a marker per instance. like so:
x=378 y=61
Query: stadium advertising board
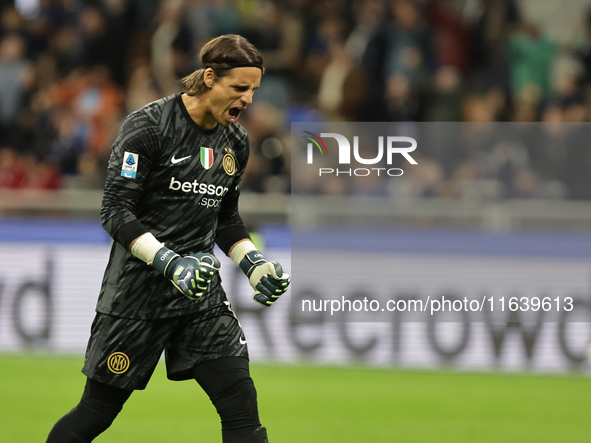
x=48 y=294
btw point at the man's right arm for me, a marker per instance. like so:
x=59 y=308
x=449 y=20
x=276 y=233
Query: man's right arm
x=129 y=168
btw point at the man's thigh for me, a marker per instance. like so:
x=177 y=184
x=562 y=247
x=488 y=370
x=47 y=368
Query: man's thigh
x=210 y=335
x=124 y=353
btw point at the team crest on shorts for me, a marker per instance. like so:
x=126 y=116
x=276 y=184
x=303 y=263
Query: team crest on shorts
x=118 y=362
x=229 y=164
x=206 y=157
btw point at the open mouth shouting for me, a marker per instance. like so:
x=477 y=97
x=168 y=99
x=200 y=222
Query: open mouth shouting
x=234 y=113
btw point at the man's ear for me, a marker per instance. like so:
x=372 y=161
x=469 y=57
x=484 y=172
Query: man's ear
x=209 y=78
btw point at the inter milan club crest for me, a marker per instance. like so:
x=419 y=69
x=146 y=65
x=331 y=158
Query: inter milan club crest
x=229 y=162
x=118 y=362
x=206 y=157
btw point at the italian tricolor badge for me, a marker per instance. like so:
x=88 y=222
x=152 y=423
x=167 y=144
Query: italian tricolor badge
x=206 y=157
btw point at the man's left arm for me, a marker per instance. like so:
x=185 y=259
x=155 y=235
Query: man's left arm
x=267 y=278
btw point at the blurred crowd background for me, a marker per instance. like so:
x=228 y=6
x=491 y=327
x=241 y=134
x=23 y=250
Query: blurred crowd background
x=71 y=70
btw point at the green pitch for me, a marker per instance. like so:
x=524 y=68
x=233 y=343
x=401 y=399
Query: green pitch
x=314 y=404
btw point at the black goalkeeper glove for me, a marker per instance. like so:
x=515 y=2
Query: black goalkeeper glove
x=191 y=274
x=266 y=277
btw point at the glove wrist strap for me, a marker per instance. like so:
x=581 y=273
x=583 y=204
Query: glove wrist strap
x=246 y=255
x=164 y=257
x=250 y=261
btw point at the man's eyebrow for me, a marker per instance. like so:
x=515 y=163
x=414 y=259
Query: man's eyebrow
x=243 y=86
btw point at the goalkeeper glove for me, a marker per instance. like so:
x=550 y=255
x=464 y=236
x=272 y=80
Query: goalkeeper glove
x=191 y=274
x=266 y=277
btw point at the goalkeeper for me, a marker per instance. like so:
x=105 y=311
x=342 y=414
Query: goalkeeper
x=171 y=193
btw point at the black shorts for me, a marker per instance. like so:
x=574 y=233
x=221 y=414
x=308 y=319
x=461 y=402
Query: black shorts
x=124 y=353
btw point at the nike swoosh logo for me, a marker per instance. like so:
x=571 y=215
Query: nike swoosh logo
x=174 y=161
x=242 y=342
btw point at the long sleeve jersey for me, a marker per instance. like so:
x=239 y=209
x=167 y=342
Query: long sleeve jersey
x=170 y=177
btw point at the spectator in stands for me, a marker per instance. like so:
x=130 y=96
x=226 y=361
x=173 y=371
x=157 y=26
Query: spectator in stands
x=408 y=61
x=530 y=55
x=97 y=103
x=15 y=80
x=12 y=173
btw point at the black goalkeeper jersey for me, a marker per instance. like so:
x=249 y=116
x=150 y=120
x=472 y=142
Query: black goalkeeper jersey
x=170 y=177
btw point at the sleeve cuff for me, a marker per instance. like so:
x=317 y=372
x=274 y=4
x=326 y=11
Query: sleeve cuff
x=228 y=236
x=129 y=232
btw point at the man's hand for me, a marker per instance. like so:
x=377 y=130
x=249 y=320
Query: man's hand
x=266 y=277
x=191 y=274
x=269 y=282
